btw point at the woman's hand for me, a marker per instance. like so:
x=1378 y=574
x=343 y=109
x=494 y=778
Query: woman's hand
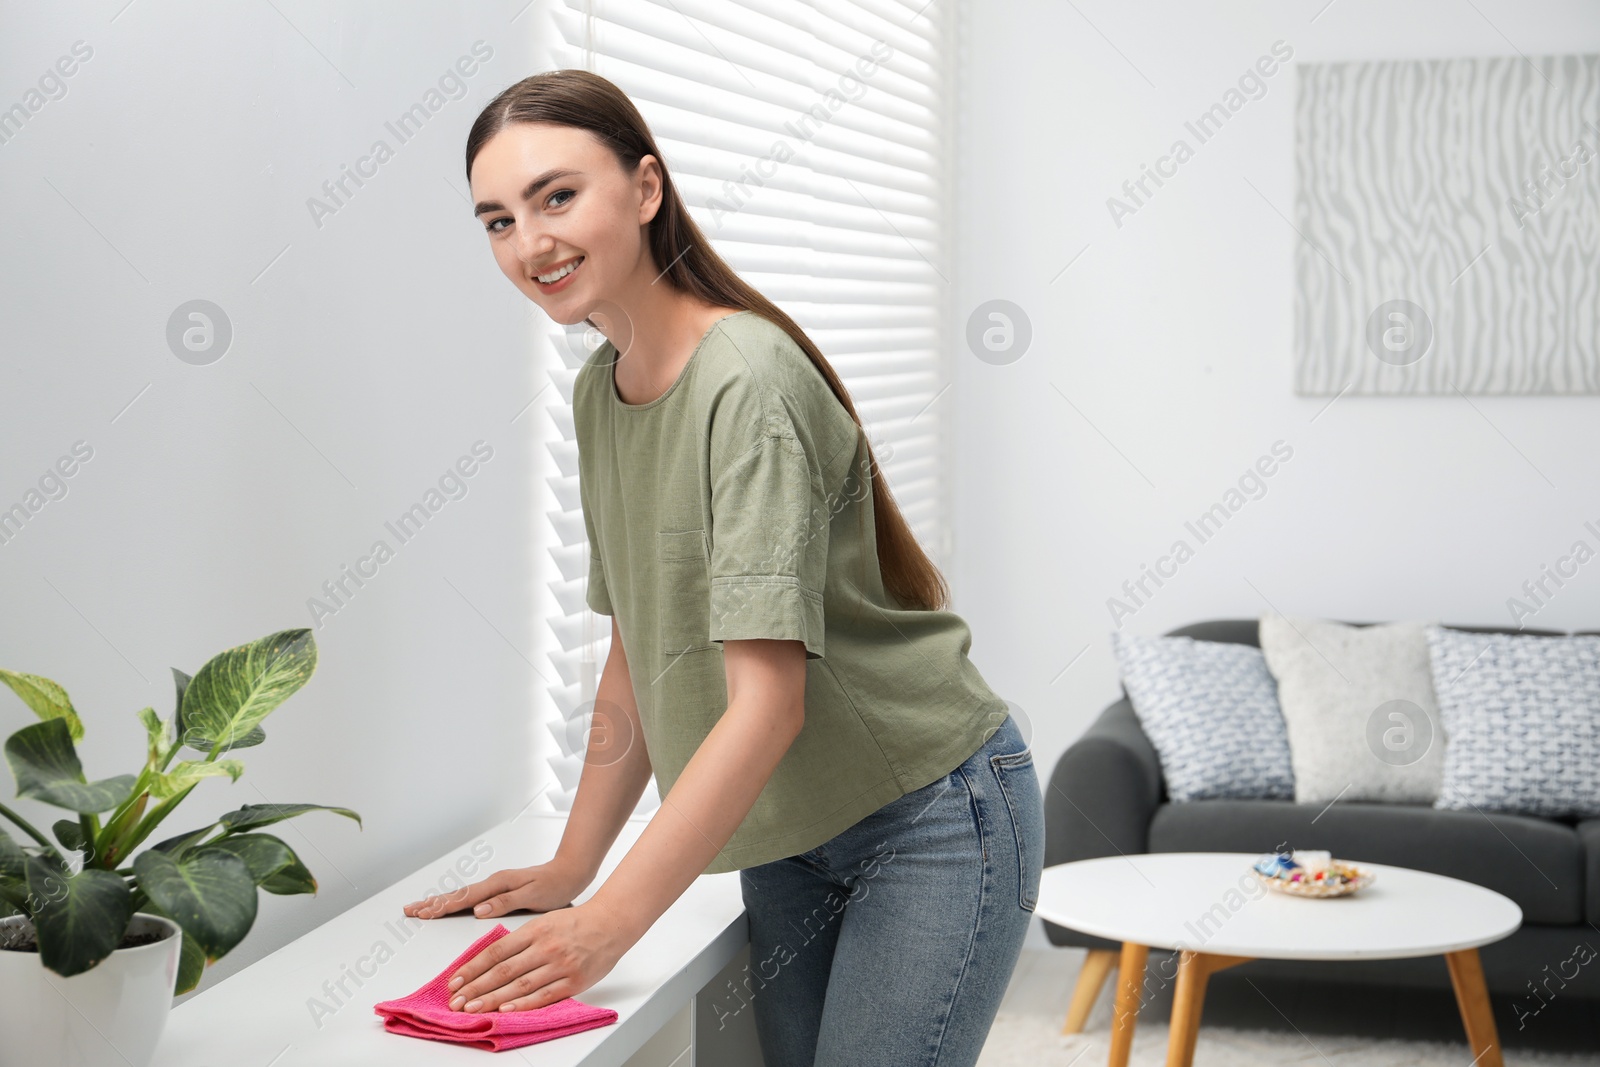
x=543 y=887
x=548 y=958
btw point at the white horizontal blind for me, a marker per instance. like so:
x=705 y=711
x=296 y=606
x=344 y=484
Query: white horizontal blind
x=810 y=140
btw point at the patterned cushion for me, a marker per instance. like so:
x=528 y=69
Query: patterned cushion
x=1522 y=714
x=1211 y=711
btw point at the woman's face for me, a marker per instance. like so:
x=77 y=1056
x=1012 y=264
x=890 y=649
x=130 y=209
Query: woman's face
x=550 y=196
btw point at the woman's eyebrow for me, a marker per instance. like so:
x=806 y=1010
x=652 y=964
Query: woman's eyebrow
x=529 y=192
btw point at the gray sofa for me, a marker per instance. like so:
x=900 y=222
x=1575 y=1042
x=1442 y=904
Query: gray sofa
x=1106 y=796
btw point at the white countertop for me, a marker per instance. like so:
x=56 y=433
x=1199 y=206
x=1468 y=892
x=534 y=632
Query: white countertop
x=263 y=1016
x=1210 y=902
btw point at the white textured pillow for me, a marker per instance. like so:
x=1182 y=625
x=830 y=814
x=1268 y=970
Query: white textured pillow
x=1359 y=706
x=1523 y=713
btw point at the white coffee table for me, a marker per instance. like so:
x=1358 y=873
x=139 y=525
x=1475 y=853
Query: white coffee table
x=1208 y=907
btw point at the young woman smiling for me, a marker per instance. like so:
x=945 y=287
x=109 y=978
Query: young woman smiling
x=781 y=657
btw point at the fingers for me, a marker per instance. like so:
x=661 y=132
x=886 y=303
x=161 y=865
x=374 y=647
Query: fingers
x=474 y=970
x=558 y=990
x=465 y=897
x=431 y=907
x=441 y=904
x=523 y=976
x=504 y=902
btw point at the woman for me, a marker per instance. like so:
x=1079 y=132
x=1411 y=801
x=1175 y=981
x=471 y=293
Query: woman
x=779 y=639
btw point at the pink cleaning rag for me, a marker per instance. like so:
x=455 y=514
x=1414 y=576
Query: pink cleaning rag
x=427 y=1013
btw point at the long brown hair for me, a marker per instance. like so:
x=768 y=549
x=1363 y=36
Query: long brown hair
x=583 y=99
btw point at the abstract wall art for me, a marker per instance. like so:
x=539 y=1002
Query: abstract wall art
x=1449 y=226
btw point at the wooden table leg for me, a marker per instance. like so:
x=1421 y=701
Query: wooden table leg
x=1188 y=1000
x=1091 y=979
x=1130 y=983
x=1472 y=997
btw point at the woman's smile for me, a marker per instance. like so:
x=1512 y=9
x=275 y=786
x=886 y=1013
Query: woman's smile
x=570 y=268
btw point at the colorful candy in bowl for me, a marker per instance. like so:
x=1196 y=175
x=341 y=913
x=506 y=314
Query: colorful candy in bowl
x=1310 y=873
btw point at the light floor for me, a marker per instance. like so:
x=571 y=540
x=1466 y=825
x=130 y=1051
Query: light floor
x=1254 y=1023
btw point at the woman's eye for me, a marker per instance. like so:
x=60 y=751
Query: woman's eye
x=550 y=201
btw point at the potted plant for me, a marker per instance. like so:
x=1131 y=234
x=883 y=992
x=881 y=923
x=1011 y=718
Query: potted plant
x=92 y=952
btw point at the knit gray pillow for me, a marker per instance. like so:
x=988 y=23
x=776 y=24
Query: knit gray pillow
x=1359 y=706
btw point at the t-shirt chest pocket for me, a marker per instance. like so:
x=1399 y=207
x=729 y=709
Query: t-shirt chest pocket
x=683 y=590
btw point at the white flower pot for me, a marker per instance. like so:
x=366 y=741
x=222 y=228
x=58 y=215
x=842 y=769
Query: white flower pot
x=109 y=1016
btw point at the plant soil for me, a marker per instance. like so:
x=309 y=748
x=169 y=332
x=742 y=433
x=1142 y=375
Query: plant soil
x=25 y=941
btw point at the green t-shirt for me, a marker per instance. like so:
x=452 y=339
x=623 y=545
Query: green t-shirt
x=738 y=505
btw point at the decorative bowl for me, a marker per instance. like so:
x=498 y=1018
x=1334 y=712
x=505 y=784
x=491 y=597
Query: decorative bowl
x=1281 y=873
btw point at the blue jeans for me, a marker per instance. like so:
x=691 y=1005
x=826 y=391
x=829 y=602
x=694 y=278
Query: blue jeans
x=892 y=944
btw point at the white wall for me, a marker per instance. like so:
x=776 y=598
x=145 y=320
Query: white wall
x=1172 y=338
x=369 y=352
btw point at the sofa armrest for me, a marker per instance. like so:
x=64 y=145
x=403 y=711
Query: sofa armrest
x=1589 y=838
x=1104 y=790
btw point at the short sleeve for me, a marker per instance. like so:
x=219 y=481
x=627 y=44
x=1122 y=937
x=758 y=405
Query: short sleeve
x=769 y=534
x=596 y=594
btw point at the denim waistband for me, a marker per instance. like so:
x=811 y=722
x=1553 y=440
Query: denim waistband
x=1007 y=738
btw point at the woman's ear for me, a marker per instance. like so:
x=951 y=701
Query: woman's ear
x=649 y=178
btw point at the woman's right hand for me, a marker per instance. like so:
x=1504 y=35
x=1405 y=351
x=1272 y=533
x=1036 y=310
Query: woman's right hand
x=543 y=887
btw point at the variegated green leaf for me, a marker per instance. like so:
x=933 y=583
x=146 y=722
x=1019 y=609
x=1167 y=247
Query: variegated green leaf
x=272 y=863
x=178 y=845
x=157 y=740
x=46 y=698
x=264 y=854
x=230 y=695
x=249 y=740
x=14 y=896
x=253 y=815
x=191 y=957
x=46 y=767
x=292 y=880
x=191 y=964
x=69 y=832
x=208 y=892
x=192 y=738
x=181 y=682
x=80 y=918
x=12 y=858
x=185 y=774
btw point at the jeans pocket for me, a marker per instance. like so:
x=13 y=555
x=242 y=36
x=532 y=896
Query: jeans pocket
x=1019 y=784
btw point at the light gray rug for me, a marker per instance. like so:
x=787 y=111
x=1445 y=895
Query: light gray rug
x=1027 y=1039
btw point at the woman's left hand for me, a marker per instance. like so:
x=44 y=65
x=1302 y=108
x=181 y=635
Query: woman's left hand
x=554 y=955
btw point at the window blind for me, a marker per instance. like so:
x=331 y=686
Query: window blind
x=811 y=141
